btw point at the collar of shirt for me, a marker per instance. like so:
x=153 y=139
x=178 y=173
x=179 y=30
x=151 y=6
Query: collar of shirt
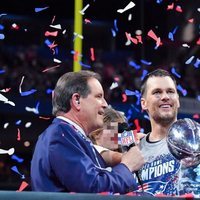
x=73 y=124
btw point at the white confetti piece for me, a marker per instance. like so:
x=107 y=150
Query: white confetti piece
x=129 y=6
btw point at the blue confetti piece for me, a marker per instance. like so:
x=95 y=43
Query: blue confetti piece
x=1 y=27
x=129 y=93
x=115 y=25
x=49 y=91
x=183 y=91
x=3 y=14
x=145 y=62
x=171 y=36
x=159 y=1
x=175 y=29
x=144 y=73
x=189 y=60
x=198 y=97
x=47 y=42
x=37 y=106
x=19 y=160
x=18 y=122
x=146 y=117
x=84 y=65
x=133 y=64
x=2 y=36
x=197 y=63
x=2 y=71
x=40 y=9
x=113 y=32
x=173 y=70
x=26 y=93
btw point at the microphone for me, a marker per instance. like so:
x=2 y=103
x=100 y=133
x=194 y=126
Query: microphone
x=126 y=139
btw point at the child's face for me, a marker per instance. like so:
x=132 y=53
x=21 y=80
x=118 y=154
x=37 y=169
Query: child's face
x=109 y=136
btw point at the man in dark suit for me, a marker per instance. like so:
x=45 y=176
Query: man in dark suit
x=64 y=159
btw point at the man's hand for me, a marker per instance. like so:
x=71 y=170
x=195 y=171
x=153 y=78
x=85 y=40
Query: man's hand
x=133 y=159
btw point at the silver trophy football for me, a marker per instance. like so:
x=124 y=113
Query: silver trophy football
x=183 y=140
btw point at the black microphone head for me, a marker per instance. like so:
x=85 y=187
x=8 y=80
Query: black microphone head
x=123 y=127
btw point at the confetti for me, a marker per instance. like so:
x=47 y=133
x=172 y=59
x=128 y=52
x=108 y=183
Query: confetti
x=5 y=90
x=197 y=63
x=84 y=9
x=136 y=122
x=124 y=98
x=18 y=122
x=5 y=100
x=58 y=26
x=128 y=36
x=145 y=62
x=50 y=68
x=185 y=45
x=9 y=151
x=40 y=9
x=22 y=186
x=84 y=65
x=56 y=60
x=18 y=134
x=28 y=124
x=53 y=34
x=114 y=85
x=2 y=71
x=92 y=57
x=5 y=125
x=183 y=91
x=26 y=93
x=19 y=160
x=129 y=6
x=34 y=110
x=144 y=73
x=133 y=64
x=179 y=9
x=2 y=36
x=170 y=7
x=173 y=70
x=87 y=21
x=189 y=60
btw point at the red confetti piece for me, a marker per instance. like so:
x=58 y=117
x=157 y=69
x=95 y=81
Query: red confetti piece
x=51 y=46
x=179 y=9
x=198 y=42
x=124 y=98
x=54 y=33
x=136 y=122
x=50 y=68
x=130 y=38
x=92 y=54
x=23 y=185
x=139 y=37
x=154 y=36
x=18 y=135
x=191 y=20
x=87 y=21
x=196 y=116
x=170 y=7
x=76 y=54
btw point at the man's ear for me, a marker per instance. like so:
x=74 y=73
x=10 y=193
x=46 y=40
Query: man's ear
x=76 y=101
x=143 y=104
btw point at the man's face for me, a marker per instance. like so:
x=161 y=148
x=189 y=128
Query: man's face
x=161 y=100
x=92 y=107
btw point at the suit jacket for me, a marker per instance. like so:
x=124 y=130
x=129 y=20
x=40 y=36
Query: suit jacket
x=63 y=160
